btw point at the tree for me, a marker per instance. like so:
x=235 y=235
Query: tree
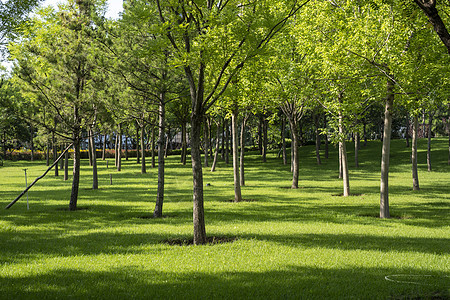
x=212 y=41
x=12 y=14
x=59 y=71
x=430 y=10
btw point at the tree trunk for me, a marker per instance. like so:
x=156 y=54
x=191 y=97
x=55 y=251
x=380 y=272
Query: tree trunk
x=61 y=163
x=166 y=144
x=260 y=134
x=47 y=154
x=414 y=154
x=340 y=162
x=265 y=127
x=55 y=153
x=292 y=152
x=316 y=124
x=216 y=153
x=407 y=130
x=384 y=184
x=183 y=144
x=66 y=166
x=227 y=142
x=76 y=161
x=365 y=134
x=223 y=139
x=119 y=149
x=94 y=160
x=326 y=135
x=153 y=146
x=241 y=162
x=343 y=152
x=430 y=123
x=237 y=181
x=448 y=132
x=143 y=166
x=206 y=140
x=32 y=142
x=138 y=143
x=76 y=174
x=429 y=8
x=104 y=147
x=116 y=151
x=197 y=172
x=89 y=149
x=283 y=139
x=126 y=144
x=357 y=140
x=295 y=158
x=157 y=213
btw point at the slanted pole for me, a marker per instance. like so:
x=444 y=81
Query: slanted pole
x=40 y=177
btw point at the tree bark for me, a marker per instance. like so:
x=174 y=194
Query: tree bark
x=94 y=160
x=294 y=114
x=317 y=133
x=216 y=153
x=326 y=135
x=126 y=144
x=47 y=154
x=223 y=139
x=119 y=149
x=183 y=143
x=116 y=151
x=343 y=152
x=265 y=127
x=104 y=147
x=227 y=142
x=448 y=132
x=157 y=213
x=76 y=170
x=143 y=166
x=414 y=154
x=260 y=134
x=66 y=166
x=365 y=134
x=61 y=162
x=340 y=162
x=32 y=142
x=241 y=161
x=167 y=140
x=407 y=130
x=138 y=143
x=357 y=140
x=197 y=172
x=236 y=174
x=295 y=158
x=153 y=146
x=384 y=183
x=430 y=123
x=429 y=8
x=283 y=139
x=55 y=152
x=206 y=140
x=89 y=149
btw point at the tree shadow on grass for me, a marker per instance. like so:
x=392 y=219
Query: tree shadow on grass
x=287 y=282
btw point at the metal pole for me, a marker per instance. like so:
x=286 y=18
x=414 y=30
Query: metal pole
x=26 y=185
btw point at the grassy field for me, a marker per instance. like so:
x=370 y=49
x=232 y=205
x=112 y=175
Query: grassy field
x=309 y=243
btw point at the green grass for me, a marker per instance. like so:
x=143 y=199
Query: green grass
x=308 y=243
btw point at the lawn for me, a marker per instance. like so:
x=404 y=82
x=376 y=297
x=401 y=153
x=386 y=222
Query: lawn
x=309 y=243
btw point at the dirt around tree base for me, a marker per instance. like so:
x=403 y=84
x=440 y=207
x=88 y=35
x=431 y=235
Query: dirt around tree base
x=350 y=195
x=243 y=200
x=393 y=216
x=212 y=240
x=78 y=208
